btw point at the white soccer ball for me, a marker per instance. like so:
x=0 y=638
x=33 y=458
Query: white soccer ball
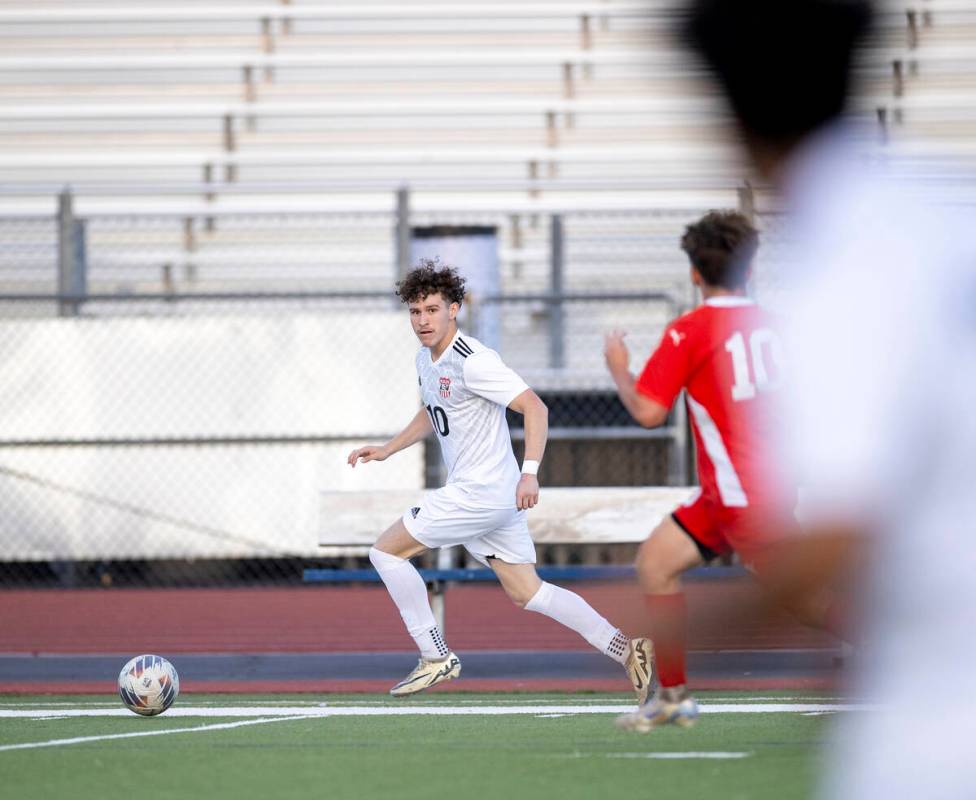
x=148 y=685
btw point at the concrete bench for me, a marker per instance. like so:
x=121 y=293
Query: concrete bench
x=352 y=521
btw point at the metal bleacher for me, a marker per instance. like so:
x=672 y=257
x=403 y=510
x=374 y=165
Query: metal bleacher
x=221 y=121
x=383 y=91
x=213 y=123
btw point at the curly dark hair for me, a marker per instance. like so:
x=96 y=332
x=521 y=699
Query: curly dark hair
x=721 y=246
x=431 y=277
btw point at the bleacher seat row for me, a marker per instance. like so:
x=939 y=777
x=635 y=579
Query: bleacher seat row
x=194 y=113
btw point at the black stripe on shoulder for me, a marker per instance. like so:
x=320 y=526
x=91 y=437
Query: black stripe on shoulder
x=464 y=345
x=459 y=351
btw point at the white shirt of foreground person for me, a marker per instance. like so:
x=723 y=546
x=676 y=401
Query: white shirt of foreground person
x=881 y=327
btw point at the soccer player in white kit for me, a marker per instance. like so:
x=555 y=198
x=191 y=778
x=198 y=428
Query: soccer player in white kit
x=465 y=389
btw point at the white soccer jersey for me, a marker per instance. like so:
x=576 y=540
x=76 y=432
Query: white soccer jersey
x=882 y=331
x=465 y=393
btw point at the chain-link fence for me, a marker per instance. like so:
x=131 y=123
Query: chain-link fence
x=170 y=437
x=28 y=256
x=137 y=436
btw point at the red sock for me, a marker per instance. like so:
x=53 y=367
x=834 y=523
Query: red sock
x=668 y=626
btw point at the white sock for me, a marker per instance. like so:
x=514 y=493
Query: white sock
x=574 y=612
x=409 y=594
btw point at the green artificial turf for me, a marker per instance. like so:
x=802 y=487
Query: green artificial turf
x=509 y=757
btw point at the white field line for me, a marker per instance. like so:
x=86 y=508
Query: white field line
x=445 y=700
x=663 y=756
x=447 y=711
x=198 y=729
x=670 y=756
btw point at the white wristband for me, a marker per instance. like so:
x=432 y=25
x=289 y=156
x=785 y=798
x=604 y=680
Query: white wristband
x=530 y=467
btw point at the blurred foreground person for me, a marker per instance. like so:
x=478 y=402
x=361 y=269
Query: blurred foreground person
x=881 y=337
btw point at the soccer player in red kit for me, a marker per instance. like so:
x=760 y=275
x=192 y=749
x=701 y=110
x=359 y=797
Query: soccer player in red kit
x=726 y=355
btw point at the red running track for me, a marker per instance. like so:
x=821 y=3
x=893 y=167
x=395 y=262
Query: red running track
x=466 y=686
x=344 y=619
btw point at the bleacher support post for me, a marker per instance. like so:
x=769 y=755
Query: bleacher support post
x=556 y=354
x=681 y=465
x=402 y=237
x=189 y=235
x=208 y=176
x=267 y=36
x=72 y=278
x=250 y=93
x=230 y=141
x=747 y=201
x=912 y=31
x=586 y=39
x=552 y=132
x=569 y=89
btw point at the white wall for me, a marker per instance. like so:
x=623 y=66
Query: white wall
x=329 y=373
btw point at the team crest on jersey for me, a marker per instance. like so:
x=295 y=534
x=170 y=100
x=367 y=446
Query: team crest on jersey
x=445 y=387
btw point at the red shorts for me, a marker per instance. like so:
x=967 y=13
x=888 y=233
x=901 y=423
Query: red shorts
x=719 y=529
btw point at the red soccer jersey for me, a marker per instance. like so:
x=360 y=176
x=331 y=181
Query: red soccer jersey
x=728 y=357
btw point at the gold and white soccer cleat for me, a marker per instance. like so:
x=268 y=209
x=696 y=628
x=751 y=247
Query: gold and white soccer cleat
x=664 y=708
x=640 y=667
x=427 y=674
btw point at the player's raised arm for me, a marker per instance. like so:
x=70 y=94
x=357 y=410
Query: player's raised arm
x=417 y=429
x=646 y=411
x=536 y=414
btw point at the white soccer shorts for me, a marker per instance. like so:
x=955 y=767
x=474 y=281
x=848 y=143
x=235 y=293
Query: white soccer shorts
x=442 y=520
